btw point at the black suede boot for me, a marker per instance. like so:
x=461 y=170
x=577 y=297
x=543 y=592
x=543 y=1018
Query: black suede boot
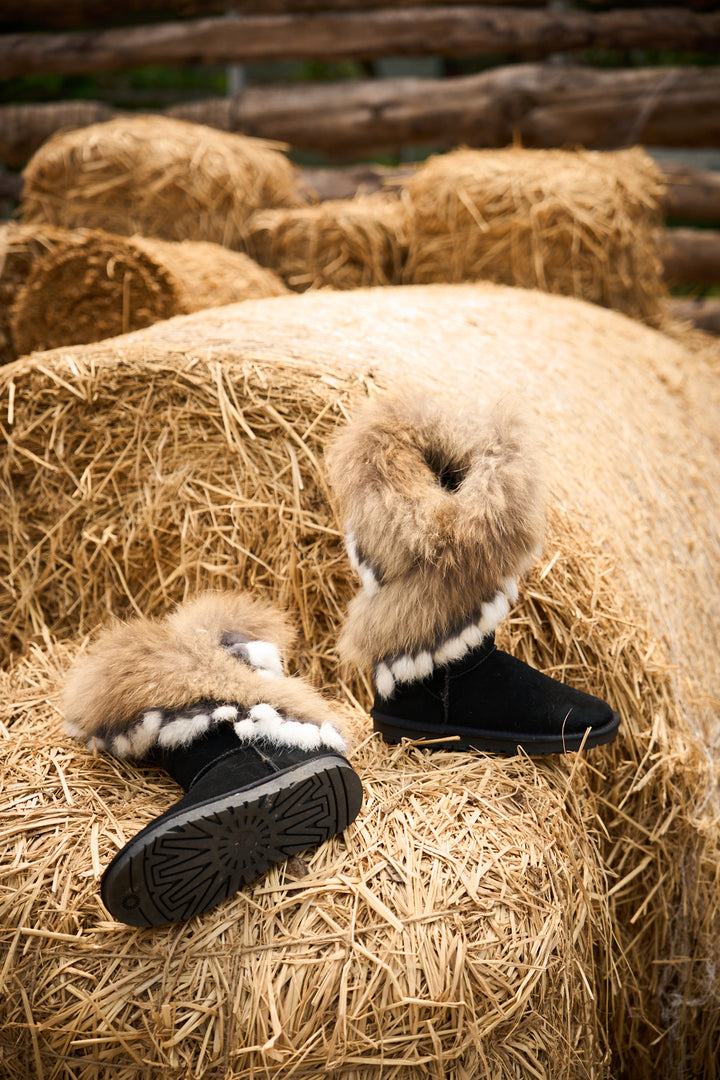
x=248 y=806
x=491 y=701
x=261 y=756
x=443 y=513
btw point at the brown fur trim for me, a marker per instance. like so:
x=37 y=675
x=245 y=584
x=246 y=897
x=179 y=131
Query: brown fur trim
x=178 y=661
x=442 y=508
x=216 y=613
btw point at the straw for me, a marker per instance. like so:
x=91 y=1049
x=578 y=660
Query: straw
x=340 y=244
x=580 y=223
x=20 y=247
x=157 y=176
x=190 y=454
x=454 y=922
x=97 y=286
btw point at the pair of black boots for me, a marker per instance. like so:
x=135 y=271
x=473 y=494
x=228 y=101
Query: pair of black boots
x=252 y=803
x=442 y=514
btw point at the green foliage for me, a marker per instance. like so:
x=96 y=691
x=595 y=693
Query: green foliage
x=142 y=87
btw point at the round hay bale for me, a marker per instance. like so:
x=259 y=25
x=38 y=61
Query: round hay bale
x=157 y=176
x=100 y=285
x=580 y=223
x=451 y=927
x=189 y=454
x=340 y=244
x=20 y=246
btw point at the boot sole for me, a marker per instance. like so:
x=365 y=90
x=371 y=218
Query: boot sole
x=493 y=742
x=186 y=862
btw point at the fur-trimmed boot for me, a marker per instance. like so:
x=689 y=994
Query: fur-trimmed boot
x=443 y=512
x=260 y=755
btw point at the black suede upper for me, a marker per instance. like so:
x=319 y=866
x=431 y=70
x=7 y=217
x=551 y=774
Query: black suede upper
x=490 y=692
x=219 y=761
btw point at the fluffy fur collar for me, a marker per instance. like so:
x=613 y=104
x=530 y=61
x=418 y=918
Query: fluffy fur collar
x=443 y=511
x=215 y=659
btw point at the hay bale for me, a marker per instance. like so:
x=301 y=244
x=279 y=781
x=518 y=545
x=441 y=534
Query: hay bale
x=452 y=926
x=99 y=285
x=580 y=223
x=340 y=244
x=20 y=247
x=189 y=454
x=157 y=176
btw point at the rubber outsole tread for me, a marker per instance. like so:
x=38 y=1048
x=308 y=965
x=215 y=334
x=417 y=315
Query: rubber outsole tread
x=194 y=857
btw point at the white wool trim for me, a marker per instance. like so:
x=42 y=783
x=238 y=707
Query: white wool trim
x=369 y=582
x=144 y=734
x=264 y=712
x=268 y=724
x=407 y=668
x=122 y=747
x=224 y=712
x=493 y=613
x=472 y=636
x=184 y=730
x=330 y=736
x=245 y=730
x=410 y=668
x=510 y=588
x=265 y=656
x=403 y=669
x=363 y=570
x=452 y=649
x=265 y=722
x=384 y=680
x=351 y=548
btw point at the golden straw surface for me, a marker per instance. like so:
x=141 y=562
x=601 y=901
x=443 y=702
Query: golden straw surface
x=189 y=454
x=340 y=244
x=580 y=223
x=100 y=285
x=157 y=176
x=20 y=247
x=455 y=921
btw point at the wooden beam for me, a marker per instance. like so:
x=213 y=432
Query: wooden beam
x=10 y=185
x=73 y=14
x=418 y=31
x=702 y=312
x=692 y=194
x=24 y=128
x=691 y=256
x=543 y=105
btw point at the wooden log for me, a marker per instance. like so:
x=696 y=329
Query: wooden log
x=702 y=312
x=49 y=15
x=542 y=105
x=73 y=14
x=691 y=256
x=10 y=185
x=692 y=194
x=432 y=31
x=23 y=128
